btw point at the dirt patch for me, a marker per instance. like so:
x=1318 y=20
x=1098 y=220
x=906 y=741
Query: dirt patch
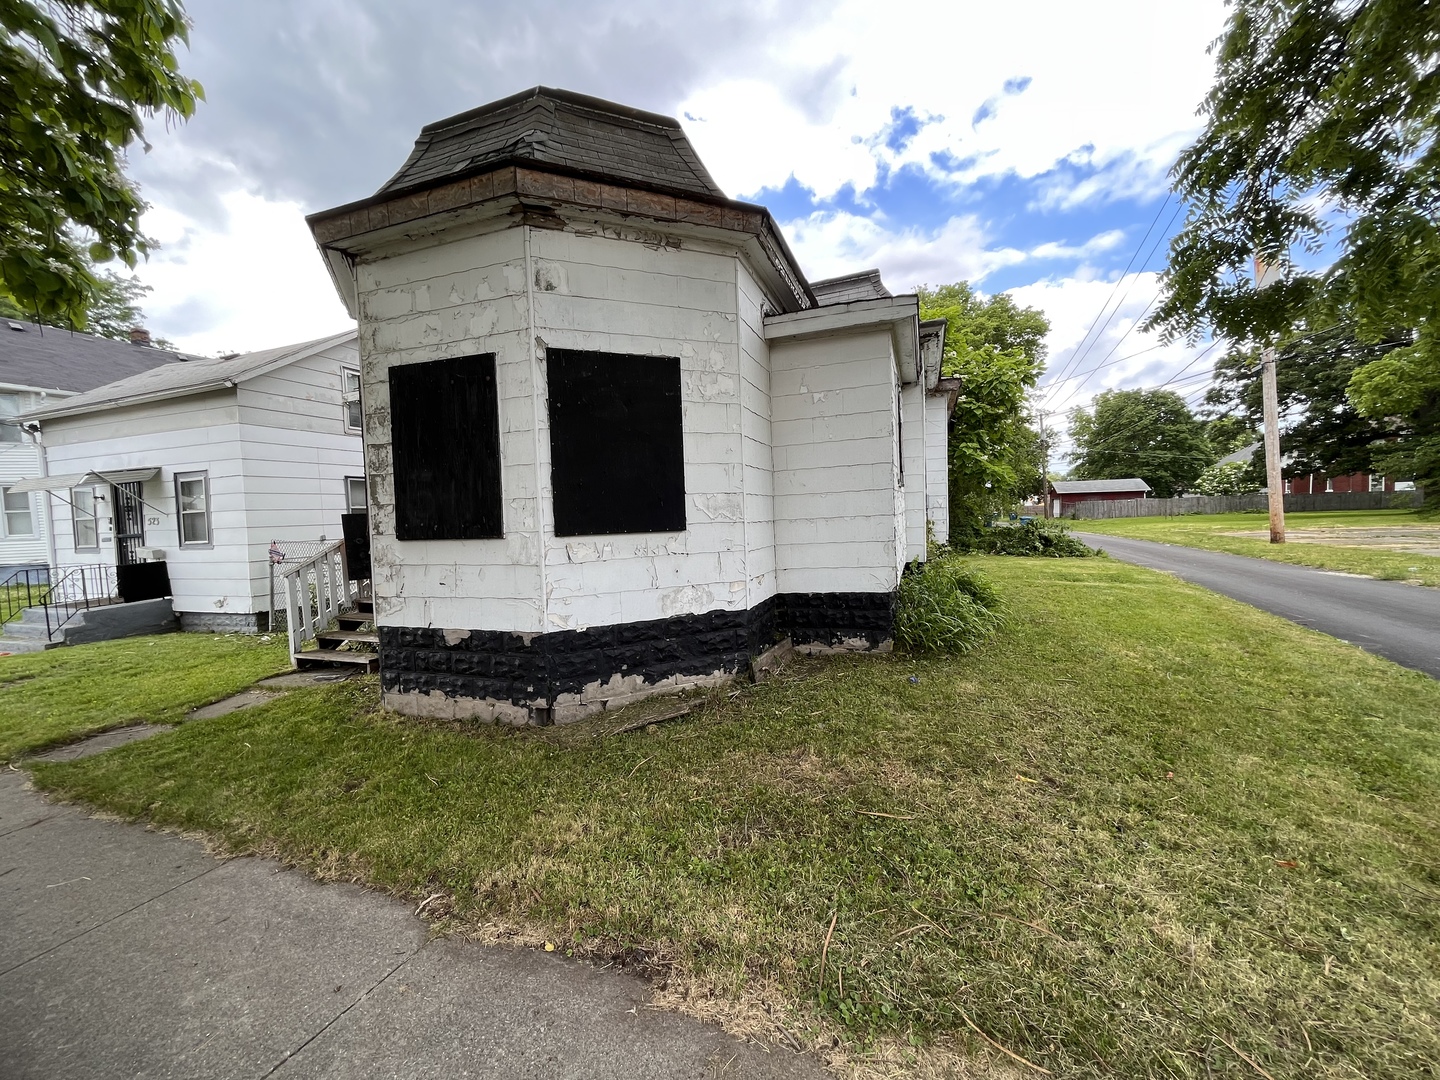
x=1414 y=539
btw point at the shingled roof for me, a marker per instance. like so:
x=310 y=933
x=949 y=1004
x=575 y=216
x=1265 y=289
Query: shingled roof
x=48 y=358
x=572 y=133
x=865 y=285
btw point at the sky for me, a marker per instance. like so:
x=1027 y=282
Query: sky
x=1022 y=147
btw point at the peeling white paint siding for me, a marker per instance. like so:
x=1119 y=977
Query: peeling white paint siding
x=839 y=516
x=912 y=435
x=616 y=295
x=757 y=457
x=469 y=295
x=937 y=465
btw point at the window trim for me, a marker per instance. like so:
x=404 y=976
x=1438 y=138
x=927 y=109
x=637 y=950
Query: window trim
x=8 y=421
x=346 y=398
x=349 y=502
x=75 y=519
x=5 y=513
x=180 y=513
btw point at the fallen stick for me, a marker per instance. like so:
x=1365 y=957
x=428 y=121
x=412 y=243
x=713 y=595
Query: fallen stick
x=1008 y=1053
x=1245 y=1057
x=825 y=949
x=877 y=813
x=658 y=718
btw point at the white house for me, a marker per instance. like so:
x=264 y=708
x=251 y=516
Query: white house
x=203 y=465
x=40 y=365
x=616 y=441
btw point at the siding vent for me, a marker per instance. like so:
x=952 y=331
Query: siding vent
x=445 y=443
x=617 y=457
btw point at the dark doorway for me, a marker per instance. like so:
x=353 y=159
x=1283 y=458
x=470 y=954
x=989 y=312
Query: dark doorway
x=129 y=523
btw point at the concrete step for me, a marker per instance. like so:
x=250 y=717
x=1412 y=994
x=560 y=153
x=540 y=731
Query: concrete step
x=332 y=657
x=21 y=628
x=25 y=645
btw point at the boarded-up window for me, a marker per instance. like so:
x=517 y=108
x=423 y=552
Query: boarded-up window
x=445 y=442
x=617 y=460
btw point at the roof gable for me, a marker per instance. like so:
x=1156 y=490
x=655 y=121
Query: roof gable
x=182 y=380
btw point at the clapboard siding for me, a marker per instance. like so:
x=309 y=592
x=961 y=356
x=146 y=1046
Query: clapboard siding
x=757 y=454
x=20 y=461
x=937 y=465
x=838 y=527
x=912 y=432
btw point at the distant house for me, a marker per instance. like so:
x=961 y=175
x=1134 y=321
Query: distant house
x=40 y=365
x=1320 y=483
x=202 y=466
x=1065 y=495
x=618 y=442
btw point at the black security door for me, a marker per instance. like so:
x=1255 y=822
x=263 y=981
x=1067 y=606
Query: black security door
x=129 y=523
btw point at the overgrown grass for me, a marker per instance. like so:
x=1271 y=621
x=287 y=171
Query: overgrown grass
x=61 y=695
x=1142 y=831
x=1049 y=539
x=945 y=606
x=1208 y=531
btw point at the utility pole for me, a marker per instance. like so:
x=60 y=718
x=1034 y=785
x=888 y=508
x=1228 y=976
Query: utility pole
x=1274 y=483
x=1045 y=469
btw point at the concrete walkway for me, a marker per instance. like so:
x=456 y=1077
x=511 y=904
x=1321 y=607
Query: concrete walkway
x=126 y=953
x=1389 y=618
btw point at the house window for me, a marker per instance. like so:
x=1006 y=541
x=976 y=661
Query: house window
x=1329 y=485
x=445 y=449
x=82 y=514
x=9 y=425
x=19 y=514
x=192 y=502
x=1288 y=485
x=350 y=400
x=355 y=498
x=1377 y=481
x=617 y=460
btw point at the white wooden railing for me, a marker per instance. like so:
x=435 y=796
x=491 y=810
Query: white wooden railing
x=316 y=592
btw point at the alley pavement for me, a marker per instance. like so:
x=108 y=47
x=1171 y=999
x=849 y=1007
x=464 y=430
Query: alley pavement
x=1388 y=618
x=126 y=953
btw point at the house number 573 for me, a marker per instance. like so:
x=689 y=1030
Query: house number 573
x=152 y=521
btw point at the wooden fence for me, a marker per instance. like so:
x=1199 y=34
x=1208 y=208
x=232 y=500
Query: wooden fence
x=1231 y=504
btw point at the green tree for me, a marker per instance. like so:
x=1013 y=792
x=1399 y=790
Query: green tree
x=1228 y=433
x=113 y=309
x=1151 y=434
x=1230 y=478
x=1324 y=432
x=77 y=80
x=997 y=350
x=1323 y=134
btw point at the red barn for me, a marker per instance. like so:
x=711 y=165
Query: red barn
x=1065 y=495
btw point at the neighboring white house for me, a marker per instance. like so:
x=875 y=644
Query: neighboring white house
x=40 y=365
x=203 y=465
x=616 y=441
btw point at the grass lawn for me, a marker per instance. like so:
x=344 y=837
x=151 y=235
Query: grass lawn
x=1208 y=531
x=1144 y=831
x=60 y=695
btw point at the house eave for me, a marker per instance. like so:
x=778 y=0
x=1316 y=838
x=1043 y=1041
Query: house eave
x=898 y=315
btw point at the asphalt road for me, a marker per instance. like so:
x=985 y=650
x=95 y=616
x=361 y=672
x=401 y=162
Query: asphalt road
x=128 y=953
x=1388 y=618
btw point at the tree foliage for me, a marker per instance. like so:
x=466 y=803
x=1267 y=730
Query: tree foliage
x=1323 y=136
x=997 y=350
x=1324 y=432
x=78 y=78
x=1229 y=478
x=1151 y=434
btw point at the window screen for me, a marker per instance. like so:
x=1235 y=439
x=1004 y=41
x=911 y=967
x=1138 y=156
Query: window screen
x=192 y=499
x=617 y=460
x=350 y=399
x=445 y=446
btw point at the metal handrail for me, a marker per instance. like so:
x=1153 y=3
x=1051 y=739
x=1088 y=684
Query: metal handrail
x=22 y=589
x=78 y=589
x=316 y=593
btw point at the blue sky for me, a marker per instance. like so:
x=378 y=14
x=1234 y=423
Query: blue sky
x=1022 y=147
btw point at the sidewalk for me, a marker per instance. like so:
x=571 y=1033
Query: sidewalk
x=128 y=953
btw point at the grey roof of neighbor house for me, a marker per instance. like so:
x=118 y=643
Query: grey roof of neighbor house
x=180 y=380
x=865 y=285
x=568 y=131
x=48 y=358
x=1244 y=455
x=1095 y=487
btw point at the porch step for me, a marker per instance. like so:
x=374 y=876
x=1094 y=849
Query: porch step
x=369 y=637
x=24 y=645
x=352 y=618
x=328 y=657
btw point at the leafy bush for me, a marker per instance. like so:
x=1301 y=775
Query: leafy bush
x=945 y=607
x=1231 y=478
x=1033 y=538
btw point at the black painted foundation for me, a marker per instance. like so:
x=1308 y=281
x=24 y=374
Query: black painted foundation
x=534 y=670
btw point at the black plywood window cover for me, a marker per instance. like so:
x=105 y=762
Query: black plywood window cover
x=617 y=456
x=445 y=441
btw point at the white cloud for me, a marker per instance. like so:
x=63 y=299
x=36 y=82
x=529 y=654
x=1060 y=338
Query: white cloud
x=833 y=243
x=254 y=284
